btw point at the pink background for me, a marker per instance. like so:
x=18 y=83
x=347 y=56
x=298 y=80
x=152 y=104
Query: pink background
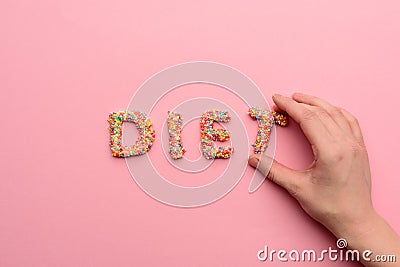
x=64 y=65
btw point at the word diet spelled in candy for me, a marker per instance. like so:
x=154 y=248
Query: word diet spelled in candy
x=208 y=134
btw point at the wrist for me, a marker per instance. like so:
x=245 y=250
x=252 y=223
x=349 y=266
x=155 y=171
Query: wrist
x=356 y=227
x=371 y=233
x=361 y=230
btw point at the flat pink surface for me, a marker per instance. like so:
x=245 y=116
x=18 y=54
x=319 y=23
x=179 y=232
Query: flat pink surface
x=64 y=65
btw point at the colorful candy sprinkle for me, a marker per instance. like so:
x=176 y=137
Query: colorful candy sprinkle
x=280 y=119
x=265 y=119
x=176 y=149
x=142 y=124
x=209 y=135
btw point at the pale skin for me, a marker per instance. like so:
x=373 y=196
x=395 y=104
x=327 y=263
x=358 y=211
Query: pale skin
x=335 y=189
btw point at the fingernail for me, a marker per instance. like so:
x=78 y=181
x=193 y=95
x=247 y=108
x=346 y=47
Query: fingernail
x=276 y=96
x=297 y=94
x=253 y=161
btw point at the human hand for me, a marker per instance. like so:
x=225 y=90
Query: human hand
x=335 y=189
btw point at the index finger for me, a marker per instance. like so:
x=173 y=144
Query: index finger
x=309 y=122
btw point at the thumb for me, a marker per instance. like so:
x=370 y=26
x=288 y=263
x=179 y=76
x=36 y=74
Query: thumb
x=287 y=178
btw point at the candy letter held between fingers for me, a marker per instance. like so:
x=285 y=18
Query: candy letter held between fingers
x=265 y=119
